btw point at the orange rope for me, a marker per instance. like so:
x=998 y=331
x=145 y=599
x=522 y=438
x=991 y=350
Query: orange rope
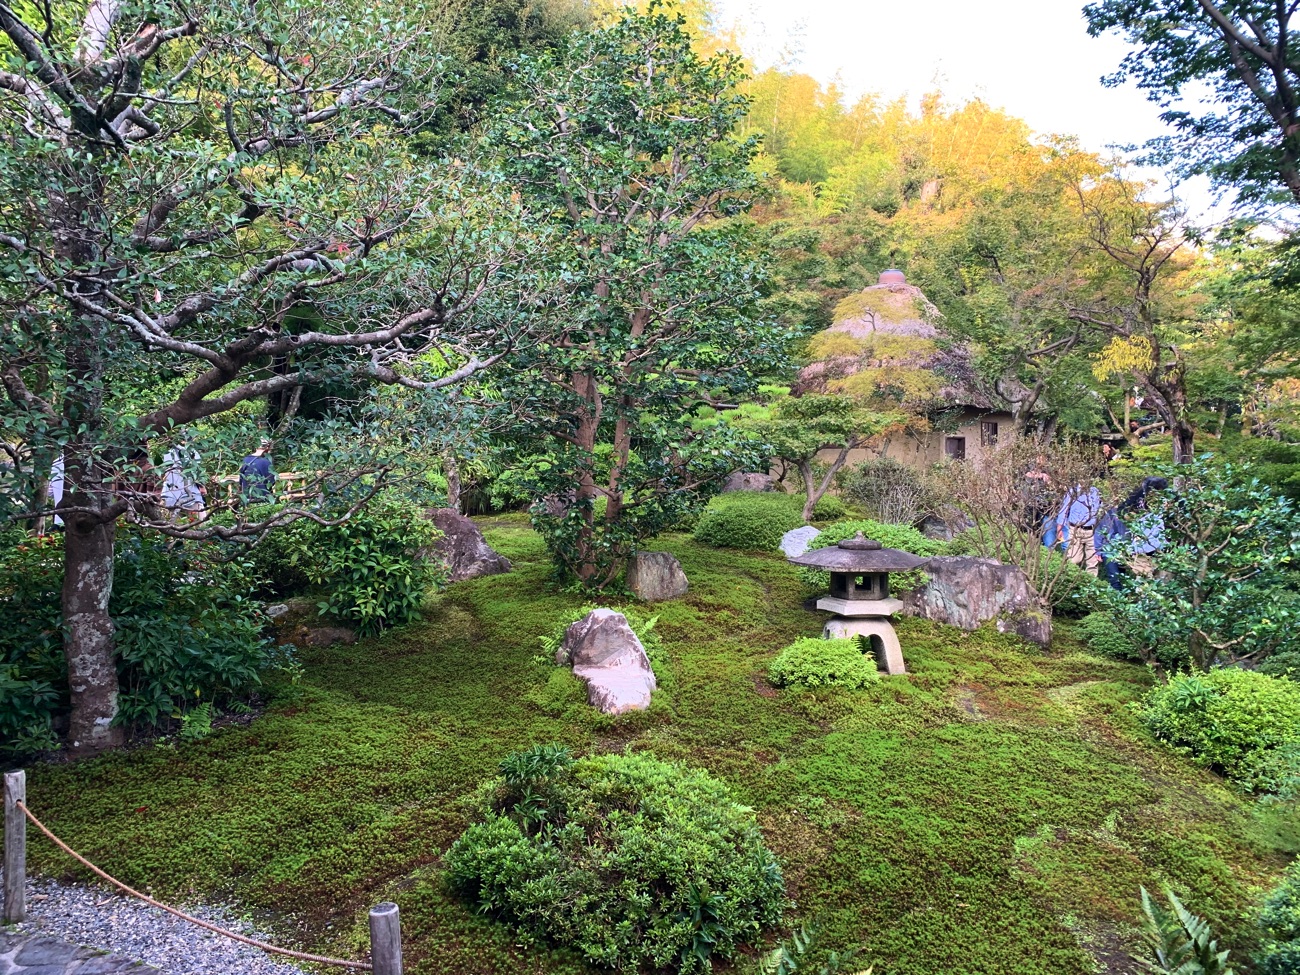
x=181 y=914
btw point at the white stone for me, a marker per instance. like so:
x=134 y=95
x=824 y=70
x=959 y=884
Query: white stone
x=796 y=541
x=609 y=658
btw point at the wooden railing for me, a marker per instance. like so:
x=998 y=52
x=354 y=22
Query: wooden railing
x=288 y=486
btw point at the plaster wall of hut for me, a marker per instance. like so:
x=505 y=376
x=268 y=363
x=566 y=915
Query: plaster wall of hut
x=972 y=433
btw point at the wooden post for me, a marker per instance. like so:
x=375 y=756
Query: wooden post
x=15 y=848
x=386 y=939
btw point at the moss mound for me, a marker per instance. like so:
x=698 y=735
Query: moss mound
x=632 y=861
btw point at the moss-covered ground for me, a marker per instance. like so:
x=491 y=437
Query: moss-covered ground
x=992 y=812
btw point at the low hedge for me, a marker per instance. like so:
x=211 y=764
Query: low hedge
x=749 y=520
x=1102 y=637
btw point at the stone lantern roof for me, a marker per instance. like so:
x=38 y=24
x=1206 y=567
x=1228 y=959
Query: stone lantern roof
x=859 y=555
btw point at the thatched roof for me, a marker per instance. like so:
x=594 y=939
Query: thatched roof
x=892 y=325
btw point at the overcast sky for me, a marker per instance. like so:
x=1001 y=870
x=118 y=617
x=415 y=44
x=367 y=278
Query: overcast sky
x=1032 y=58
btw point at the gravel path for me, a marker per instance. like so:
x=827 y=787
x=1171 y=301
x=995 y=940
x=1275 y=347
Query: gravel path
x=100 y=918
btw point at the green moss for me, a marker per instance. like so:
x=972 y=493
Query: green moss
x=993 y=811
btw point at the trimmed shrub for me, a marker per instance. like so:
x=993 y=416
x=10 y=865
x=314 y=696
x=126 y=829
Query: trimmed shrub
x=1102 y=637
x=629 y=860
x=1241 y=723
x=370 y=566
x=1078 y=593
x=903 y=537
x=828 y=507
x=812 y=662
x=1279 y=922
x=748 y=519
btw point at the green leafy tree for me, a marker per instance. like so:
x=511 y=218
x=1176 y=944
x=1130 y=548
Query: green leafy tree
x=181 y=181
x=1135 y=301
x=1220 y=591
x=799 y=428
x=1247 y=135
x=624 y=142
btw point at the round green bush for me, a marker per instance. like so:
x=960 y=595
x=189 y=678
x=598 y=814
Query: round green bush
x=1078 y=593
x=748 y=520
x=811 y=662
x=1239 y=722
x=631 y=861
x=827 y=508
x=1279 y=922
x=903 y=537
x=1102 y=637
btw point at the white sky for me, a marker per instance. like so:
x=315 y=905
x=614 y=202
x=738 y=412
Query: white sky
x=1032 y=58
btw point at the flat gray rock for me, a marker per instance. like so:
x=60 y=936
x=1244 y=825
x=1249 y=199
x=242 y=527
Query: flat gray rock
x=655 y=576
x=42 y=955
x=609 y=658
x=796 y=540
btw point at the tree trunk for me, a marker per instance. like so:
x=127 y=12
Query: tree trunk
x=452 y=470
x=88 y=483
x=810 y=496
x=585 y=492
x=88 y=631
x=1183 y=443
x=815 y=492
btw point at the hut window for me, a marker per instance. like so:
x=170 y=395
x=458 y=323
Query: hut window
x=955 y=448
x=988 y=433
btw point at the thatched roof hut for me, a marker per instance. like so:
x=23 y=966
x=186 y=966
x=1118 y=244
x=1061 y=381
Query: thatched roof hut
x=889 y=334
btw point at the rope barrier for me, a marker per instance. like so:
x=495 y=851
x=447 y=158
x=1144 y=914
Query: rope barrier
x=301 y=955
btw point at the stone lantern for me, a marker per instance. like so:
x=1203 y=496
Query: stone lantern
x=859 y=596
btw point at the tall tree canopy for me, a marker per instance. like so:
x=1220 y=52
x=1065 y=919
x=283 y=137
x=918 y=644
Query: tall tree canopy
x=181 y=182
x=1246 y=135
x=625 y=143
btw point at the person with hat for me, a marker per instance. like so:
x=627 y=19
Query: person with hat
x=256 y=478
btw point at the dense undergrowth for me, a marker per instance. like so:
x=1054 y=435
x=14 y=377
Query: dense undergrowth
x=994 y=811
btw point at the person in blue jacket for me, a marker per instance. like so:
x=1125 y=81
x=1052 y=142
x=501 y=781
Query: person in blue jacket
x=1129 y=534
x=256 y=478
x=1076 y=522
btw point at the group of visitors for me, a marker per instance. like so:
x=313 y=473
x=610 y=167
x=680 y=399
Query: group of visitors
x=181 y=494
x=1104 y=541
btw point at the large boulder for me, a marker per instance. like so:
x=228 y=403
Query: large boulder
x=654 y=576
x=966 y=591
x=609 y=658
x=462 y=547
x=747 y=481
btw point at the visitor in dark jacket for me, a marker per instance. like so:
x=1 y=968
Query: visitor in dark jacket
x=256 y=478
x=1130 y=534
